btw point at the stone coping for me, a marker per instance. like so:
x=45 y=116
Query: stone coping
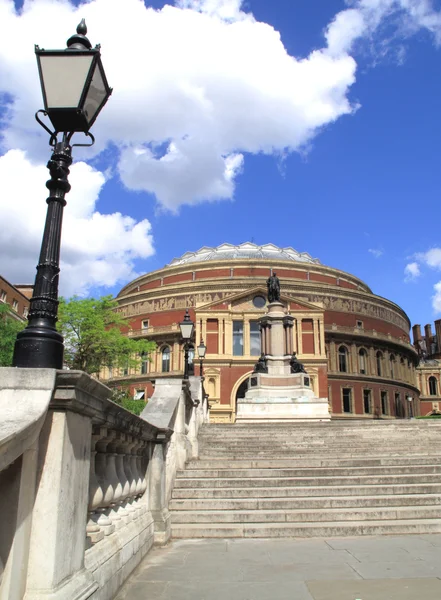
x=76 y=391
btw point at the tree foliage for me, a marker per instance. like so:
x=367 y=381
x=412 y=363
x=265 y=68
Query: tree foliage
x=123 y=398
x=93 y=336
x=9 y=327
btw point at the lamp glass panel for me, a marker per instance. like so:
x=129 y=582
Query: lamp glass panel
x=186 y=329
x=96 y=95
x=202 y=348
x=64 y=78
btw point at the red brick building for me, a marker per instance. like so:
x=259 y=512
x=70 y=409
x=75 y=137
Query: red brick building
x=355 y=345
x=428 y=347
x=17 y=297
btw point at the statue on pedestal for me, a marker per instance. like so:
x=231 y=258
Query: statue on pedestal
x=273 y=285
x=296 y=365
x=260 y=366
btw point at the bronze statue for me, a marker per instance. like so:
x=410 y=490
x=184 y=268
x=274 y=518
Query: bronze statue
x=296 y=365
x=260 y=366
x=273 y=285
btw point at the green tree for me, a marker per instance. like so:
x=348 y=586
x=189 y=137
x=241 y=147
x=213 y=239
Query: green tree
x=9 y=327
x=93 y=335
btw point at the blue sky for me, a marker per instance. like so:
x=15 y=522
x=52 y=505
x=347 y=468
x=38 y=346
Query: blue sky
x=360 y=191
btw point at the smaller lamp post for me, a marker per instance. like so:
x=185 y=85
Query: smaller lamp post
x=187 y=327
x=202 y=349
x=409 y=399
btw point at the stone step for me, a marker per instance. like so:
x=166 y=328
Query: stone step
x=326 y=515
x=352 y=453
x=303 y=530
x=220 y=463
x=311 y=472
x=306 y=481
x=218 y=504
x=305 y=491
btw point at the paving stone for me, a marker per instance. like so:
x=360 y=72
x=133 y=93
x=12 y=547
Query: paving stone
x=381 y=589
x=299 y=572
x=140 y=590
x=397 y=570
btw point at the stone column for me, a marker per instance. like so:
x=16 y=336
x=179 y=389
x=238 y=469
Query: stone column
x=294 y=335
x=322 y=337
x=204 y=329
x=228 y=337
x=220 y=335
x=175 y=362
x=246 y=338
x=354 y=359
x=332 y=360
x=315 y=324
x=157 y=494
x=58 y=538
x=300 y=339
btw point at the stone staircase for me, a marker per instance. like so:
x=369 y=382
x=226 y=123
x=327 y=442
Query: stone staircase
x=311 y=480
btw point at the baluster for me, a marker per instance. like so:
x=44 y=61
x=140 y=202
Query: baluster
x=115 y=514
x=93 y=532
x=125 y=486
x=128 y=504
x=105 y=436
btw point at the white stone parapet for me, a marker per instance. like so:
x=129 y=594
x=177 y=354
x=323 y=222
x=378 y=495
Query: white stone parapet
x=89 y=489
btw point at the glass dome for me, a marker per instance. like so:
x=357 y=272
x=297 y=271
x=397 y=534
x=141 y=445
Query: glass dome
x=247 y=250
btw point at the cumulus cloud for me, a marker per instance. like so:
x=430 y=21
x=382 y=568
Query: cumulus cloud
x=412 y=271
x=197 y=86
x=436 y=298
x=97 y=249
x=365 y=18
x=431 y=259
x=376 y=252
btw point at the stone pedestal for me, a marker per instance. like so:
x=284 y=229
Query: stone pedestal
x=279 y=395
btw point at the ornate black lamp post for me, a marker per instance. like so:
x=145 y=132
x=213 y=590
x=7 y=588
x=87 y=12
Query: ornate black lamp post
x=202 y=349
x=187 y=327
x=75 y=90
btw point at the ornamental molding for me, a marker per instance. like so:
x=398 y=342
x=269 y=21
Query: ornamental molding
x=353 y=301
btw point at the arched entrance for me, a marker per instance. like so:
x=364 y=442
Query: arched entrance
x=238 y=391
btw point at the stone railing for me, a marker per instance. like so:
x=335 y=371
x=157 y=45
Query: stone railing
x=154 y=330
x=86 y=505
x=371 y=333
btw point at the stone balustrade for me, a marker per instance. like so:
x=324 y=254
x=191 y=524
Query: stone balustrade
x=86 y=484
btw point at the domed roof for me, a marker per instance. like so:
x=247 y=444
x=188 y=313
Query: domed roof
x=247 y=250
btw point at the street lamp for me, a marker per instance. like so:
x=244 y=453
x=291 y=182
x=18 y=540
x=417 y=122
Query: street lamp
x=187 y=327
x=202 y=349
x=75 y=89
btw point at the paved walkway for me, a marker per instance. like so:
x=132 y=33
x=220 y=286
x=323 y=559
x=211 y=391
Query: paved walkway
x=362 y=568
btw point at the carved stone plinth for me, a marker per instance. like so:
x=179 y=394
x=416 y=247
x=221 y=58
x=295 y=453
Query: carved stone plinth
x=279 y=395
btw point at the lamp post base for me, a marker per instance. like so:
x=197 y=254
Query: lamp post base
x=39 y=347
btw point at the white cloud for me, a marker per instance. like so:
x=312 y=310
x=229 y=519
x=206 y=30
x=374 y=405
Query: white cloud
x=97 y=249
x=196 y=86
x=412 y=271
x=431 y=258
x=436 y=298
x=365 y=17
x=376 y=252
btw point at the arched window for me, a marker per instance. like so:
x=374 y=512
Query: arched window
x=433 y=386
x=392 y=365
x=362 y=361
x=166 y=359
x=379 y=361
x=343 y=359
